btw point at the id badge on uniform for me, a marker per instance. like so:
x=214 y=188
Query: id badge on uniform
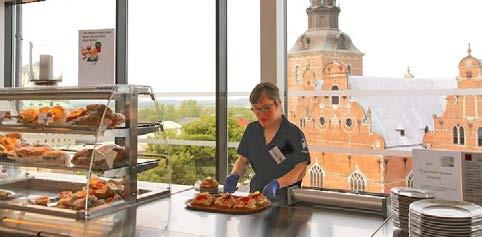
x=277 y=155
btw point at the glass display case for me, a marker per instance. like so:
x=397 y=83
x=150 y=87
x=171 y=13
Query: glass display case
x=74 y=151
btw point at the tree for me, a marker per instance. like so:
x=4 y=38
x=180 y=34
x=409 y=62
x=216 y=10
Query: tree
x=191 y=163
x=189 y=108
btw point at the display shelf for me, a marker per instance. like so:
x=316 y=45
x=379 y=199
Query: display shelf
x=113 y=106
x=142 y=129
x=141 y=166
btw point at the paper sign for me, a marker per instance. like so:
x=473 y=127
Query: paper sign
x=97 y=57
x=439 y=172
x=45 y=118
x=472 y=177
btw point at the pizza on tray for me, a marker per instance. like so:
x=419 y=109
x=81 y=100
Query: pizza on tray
x=229 y=203
x=202 y=199
x=260 y=199
x=244 y=203
x=225 y=201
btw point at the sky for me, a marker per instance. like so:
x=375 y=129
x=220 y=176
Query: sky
x=172 y=43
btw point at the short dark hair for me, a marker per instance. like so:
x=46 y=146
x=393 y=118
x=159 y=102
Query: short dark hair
x=267 y=89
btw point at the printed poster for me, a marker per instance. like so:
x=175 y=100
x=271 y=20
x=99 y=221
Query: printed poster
x=97 y=57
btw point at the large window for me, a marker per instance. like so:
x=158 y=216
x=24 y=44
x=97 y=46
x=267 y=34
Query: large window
x=371 y=111
x=172 y=47
x=56 y=33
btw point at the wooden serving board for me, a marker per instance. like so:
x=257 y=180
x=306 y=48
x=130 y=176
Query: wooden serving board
x=215 y=209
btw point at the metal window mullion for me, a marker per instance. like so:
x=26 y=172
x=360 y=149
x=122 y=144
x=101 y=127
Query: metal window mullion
x=18 y=46
x=221 y=91
x=121 y=34
x=9 y=45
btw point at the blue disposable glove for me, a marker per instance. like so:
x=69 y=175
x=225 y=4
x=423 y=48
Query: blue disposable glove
x=230 y=183
x=270 y=189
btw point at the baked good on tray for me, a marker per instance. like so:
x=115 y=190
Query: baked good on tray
x=9 y=142
x=92 y=114
x=74 y=114
x=202 y=199
x=42 y=200
x=59 y=114
x=100 y=192
x=5 y=194
x=28 y=116
x=31 y=115
x=260 y=199
x=209 y=185
x=224 y=201
x=31 y=151
x=102 y=156
x=57 y=157
x=244 y=203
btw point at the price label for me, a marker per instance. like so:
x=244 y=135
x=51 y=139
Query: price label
x=5 y=115
x=45 y=118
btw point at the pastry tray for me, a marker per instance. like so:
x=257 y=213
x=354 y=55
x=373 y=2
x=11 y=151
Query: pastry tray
x=25 y=187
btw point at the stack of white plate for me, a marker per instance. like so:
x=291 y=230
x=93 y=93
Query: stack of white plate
x=401 y=198
x=430 y=218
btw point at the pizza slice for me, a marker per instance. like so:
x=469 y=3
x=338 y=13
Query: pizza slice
x=244 y=203
x=260 y=199
x=225 y=201
x=202 y=199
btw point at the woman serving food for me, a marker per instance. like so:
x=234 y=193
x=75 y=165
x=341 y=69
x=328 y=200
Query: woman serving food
x=275 y=148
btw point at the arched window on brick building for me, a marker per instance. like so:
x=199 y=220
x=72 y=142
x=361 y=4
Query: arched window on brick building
x=455 y=135
x=479 y=137
x=316 y=176
x=335 y=100
x=458 y=135
x=461 y=136
x=298 y=73
x=409 y=180
x=357 y=182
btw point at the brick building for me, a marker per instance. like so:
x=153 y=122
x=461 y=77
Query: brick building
x=323 y=58
x=459 y=126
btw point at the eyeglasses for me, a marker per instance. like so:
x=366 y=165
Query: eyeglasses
x=263 y=108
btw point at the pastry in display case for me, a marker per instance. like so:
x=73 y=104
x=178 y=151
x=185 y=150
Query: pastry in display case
x=98 y=170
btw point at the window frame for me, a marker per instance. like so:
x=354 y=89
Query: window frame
x=13 y=39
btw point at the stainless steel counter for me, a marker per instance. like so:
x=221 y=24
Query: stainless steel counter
x=169 y=217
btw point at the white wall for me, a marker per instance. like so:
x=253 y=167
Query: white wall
x=2 y=43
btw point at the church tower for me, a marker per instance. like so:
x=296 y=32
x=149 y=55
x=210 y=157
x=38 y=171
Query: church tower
x=320 y=44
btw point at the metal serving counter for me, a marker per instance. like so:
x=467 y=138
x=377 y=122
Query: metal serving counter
x=148 y=219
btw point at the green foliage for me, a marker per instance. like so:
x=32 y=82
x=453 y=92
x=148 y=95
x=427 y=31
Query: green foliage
x=192 y=163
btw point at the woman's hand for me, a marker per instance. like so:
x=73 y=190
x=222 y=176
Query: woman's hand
x=230 y=183
x=270 y=189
